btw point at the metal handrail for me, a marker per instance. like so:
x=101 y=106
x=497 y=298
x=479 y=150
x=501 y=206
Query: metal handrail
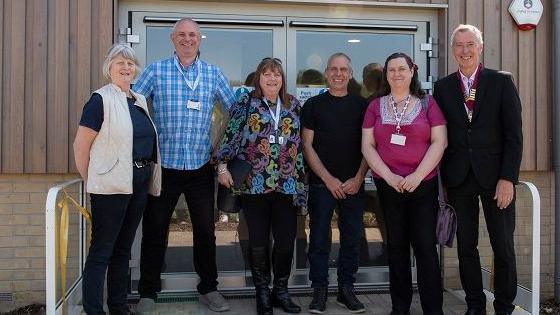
x=50 y=245
x=536 y=257
x=529 y=304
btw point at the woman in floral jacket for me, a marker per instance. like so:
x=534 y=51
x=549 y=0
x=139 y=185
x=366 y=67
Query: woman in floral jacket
x=264 y=130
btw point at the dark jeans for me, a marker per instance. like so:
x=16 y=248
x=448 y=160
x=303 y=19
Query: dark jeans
x=411 y=220
x=198 y=187
x=500 y=225
x=115 y=219
x=270 y=212
x=350 y=224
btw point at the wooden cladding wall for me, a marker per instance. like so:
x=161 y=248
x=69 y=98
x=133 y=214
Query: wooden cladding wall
x=51 y=53
x=526 y=54
x=50 y=59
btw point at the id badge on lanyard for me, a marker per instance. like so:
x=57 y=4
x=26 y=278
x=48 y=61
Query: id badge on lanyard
x=193 y=103
x=398 y=138
x=276 y=137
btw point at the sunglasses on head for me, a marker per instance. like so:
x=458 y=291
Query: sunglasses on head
x=270 y=58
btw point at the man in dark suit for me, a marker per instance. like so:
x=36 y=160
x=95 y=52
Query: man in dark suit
x=482 y=160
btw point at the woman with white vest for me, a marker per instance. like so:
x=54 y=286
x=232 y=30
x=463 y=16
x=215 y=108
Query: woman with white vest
x=117 y=155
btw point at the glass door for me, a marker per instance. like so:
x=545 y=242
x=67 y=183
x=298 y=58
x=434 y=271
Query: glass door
x=236 y=44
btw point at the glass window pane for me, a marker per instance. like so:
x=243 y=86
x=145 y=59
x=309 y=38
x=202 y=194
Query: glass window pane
x=233 y=50
x=315 y=47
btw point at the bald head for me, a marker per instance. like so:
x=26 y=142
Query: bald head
x=182 y=21
x=186 y=39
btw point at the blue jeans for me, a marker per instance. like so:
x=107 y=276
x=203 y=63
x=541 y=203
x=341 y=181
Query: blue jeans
x=115 y=219
x=350 y=224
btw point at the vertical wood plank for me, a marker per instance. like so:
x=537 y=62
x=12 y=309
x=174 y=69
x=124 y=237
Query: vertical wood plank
x=474 y=13
x=13 y=85
x=527 y=94
x=509 y=43
x=492 y=33
x=543 y=100
x=57 y=91
x=80 y=57
x=2 y=70
x=36 y=89
x=456 y=16
x=102 y=38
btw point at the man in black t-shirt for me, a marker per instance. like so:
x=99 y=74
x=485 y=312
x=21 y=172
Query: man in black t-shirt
x=332 y=132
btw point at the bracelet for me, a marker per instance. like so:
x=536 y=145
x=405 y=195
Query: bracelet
x=222 y=171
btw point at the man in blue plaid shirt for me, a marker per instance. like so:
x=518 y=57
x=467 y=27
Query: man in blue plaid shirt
x=183 y=90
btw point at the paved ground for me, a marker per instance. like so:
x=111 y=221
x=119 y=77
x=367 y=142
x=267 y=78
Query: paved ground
x=375 y=304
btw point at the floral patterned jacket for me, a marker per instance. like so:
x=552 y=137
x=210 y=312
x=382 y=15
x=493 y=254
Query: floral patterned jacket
x=276 y=167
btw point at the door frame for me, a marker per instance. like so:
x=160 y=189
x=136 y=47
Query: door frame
x=134 y=16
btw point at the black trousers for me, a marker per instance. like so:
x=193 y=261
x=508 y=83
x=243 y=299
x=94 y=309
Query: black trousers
x=115 y=219
x=270 y=212
x=198 y=187
x=411 y=220
x=500 y=224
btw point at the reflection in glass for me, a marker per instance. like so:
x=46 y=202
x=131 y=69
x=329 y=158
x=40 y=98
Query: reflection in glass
x=315 y=47
x=236 y=51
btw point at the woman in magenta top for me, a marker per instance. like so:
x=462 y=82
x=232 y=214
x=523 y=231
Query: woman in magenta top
x=403 y=139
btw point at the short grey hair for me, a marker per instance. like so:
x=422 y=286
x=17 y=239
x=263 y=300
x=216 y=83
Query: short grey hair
x=184 y=20
x=120 y=49
x=340 y=54
x=467 y=28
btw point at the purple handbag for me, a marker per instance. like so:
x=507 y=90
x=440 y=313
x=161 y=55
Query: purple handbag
x=446 y=219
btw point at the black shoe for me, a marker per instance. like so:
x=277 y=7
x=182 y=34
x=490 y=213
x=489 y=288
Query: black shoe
x=260 y=271
x=281 y=266
x=475 y=311
x=281 y=298
x=399 y=313
x=319 y=302
x=348 y=299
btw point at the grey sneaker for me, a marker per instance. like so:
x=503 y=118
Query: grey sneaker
x=214 y=301
x=146 y=306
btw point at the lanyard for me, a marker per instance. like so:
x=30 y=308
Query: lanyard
x=275 y=116
x=469 y=92
x=467 y=95
x=399 y=117
x=193 y=85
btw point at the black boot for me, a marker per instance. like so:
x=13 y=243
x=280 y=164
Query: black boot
x=281 y=266
x=260 y=270
x=319 y=302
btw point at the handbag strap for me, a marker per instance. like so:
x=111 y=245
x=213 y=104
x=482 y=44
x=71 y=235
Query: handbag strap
x=441 y=196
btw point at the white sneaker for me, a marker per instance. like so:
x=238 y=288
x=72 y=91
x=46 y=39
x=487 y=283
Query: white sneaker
x=214 y=301
x=146 y=306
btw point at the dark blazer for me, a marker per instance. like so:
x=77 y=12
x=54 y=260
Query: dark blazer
x=492 y=144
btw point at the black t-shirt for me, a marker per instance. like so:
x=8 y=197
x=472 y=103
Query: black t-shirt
x=144 y=136
x=337 y=125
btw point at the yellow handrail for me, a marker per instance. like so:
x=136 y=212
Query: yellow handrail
x=63 y=232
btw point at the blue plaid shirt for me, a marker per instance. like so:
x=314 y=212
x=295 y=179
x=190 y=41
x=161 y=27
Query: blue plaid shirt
x=184 y=133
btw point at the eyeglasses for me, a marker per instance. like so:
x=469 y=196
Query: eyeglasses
x=270 y=58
